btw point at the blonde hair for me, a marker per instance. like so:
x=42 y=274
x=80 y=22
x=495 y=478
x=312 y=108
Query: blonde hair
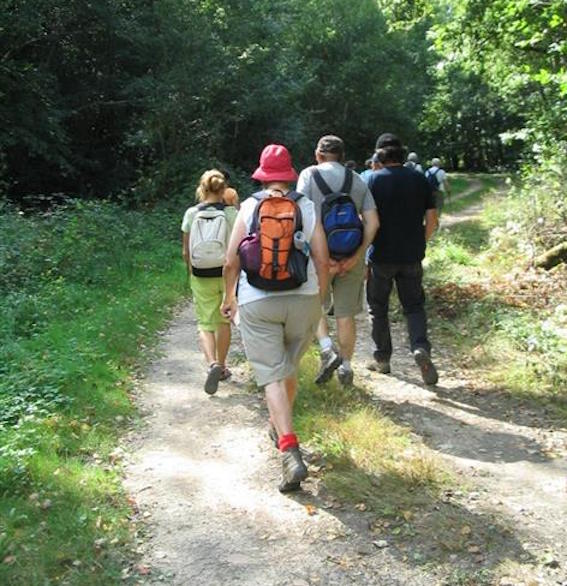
x=212 y=182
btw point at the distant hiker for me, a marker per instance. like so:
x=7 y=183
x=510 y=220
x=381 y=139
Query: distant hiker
x=206 y=230
x=403 y=199
x=374 y=166
x=348 y=215
x=439 y=183
x=278 y=255
x=368 y=169
x=412 y=162
x=351 y=165
x=230 y=197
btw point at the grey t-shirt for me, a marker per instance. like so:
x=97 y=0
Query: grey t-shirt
x=334 y=175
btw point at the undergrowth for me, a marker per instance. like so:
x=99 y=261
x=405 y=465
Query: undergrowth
x=501 y=319
x=84 y=291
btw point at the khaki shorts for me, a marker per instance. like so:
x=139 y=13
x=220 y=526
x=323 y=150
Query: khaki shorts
x=345 y=292
x=276 y=332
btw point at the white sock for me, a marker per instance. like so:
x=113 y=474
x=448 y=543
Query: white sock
x=326 y=343
x=346 y=365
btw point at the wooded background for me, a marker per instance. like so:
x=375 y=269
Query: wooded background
x=132 y=97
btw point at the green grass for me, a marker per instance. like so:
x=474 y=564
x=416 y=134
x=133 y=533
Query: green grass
x=86 y=291
x=459 y=184
x=371 y=458
x=502 y=342
x=375 y=465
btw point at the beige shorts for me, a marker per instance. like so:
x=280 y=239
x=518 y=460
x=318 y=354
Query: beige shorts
x=276 y=332
x=345 y=292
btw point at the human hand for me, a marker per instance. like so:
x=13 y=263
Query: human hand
x=348 y=263
x=228 y=308
x=334 y=267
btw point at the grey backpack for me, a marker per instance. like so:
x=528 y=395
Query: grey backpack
x=208 y=240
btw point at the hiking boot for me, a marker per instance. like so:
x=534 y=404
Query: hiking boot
x=330 y=361
x=428 y=370
x=226 y=374
x=381 y=366
x=214 y=375
x=273 y=435
x=293 y=470
x=345 y=376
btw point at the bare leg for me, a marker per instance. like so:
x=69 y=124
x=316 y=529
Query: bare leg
x=291 y=389
x=322 y=328
x=223 y=342
x=346 y=334
x=208 y=345
x=279 y=407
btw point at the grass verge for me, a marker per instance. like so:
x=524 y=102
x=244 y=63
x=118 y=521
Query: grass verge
x=411 y=500
x=501 y=319
x=86 y=290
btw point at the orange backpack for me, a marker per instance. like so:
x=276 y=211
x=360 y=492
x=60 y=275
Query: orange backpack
x=268 y=254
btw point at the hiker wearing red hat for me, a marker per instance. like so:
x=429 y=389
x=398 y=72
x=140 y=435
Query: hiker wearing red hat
x=278 y=255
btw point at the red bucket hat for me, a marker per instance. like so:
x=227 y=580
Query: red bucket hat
x=275 y=165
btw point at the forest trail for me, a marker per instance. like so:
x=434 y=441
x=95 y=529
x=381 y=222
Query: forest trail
x=203 y=475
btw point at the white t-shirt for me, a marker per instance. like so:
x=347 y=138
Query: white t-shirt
x=246 y=292
x=440 y=175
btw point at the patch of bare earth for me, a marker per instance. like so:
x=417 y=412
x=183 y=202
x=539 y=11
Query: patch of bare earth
x=204 y=476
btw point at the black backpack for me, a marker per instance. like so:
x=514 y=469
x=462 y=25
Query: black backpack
x=431 y=177
x=340 y=219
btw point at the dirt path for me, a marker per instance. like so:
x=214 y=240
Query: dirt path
x=204 y=477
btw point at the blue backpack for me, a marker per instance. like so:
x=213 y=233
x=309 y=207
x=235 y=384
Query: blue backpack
x=341 y=222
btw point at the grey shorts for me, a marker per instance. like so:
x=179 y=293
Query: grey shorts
x=276 y=332
x=345 y=292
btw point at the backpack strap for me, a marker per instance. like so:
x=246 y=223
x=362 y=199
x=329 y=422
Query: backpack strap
x=324 y=187
x=296 y=196
x=347 y=183
x=321 y=183
x=217 y=206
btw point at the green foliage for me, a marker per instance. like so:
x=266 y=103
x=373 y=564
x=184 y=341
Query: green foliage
x=106 y=97
x=517 y=348
x=86 y=289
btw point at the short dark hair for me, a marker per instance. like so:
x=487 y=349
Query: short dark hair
x=391 y=154
x=387 y=139
x=331 y=145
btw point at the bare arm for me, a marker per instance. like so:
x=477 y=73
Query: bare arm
x=371 y=224
x=431 y=222
x=231 y=269
x=185 y=249
x=320 y=256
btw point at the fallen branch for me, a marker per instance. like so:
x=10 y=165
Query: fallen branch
x=552 y=257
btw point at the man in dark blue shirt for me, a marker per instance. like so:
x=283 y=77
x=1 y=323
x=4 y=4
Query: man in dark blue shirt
x=408 y=218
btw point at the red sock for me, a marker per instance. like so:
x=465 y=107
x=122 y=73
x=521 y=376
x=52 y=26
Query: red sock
x=288 y=441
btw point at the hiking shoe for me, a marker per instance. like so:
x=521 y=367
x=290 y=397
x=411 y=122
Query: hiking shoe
x=330 y=361
x=428 y=370
x=273 y=435
x=214 y=375
x=293 y=470
x=381 y=366
x=345 y=376
x=226 y=374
